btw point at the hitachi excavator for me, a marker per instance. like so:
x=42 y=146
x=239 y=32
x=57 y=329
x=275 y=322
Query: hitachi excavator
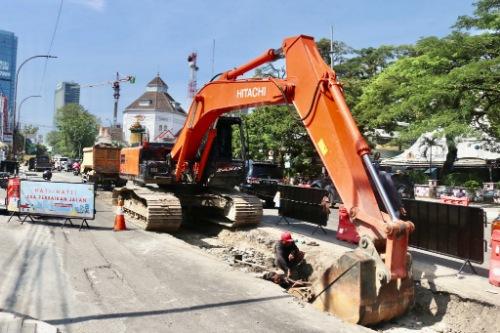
x=368 y=285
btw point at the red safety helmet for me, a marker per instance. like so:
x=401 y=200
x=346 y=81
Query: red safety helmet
x=286 y=237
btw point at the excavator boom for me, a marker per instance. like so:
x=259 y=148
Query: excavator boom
x=312 y=88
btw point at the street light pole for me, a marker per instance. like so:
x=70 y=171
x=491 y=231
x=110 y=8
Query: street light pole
x=21 y=105
x=14 y=131
x=19 y=118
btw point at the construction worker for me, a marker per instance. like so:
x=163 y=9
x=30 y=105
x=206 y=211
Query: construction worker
x=287 y=254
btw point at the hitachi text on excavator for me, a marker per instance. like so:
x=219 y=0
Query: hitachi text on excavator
x=368 y=285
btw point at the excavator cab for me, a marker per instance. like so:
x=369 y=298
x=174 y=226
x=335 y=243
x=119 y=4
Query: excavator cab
x=226 y=166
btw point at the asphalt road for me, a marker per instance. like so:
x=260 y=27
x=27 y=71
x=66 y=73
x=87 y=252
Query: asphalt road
x=98 y=280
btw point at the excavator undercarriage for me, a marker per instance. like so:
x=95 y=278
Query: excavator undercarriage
x=158 y=210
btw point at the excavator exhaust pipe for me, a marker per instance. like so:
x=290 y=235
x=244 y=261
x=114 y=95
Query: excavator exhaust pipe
x=353 y=291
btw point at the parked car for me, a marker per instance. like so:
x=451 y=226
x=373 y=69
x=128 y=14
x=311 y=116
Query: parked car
x=69 y=165
x=262 y=181
x=61 y=163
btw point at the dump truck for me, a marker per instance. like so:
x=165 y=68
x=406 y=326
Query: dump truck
x=42 y=163
x=101 y=165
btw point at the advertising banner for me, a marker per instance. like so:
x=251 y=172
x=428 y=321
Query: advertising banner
x=70 y=200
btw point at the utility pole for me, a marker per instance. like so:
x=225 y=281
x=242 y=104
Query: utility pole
x=331 y=48
x=213 y=58
x=116 y=95
x=192 y=89
x=115 y=84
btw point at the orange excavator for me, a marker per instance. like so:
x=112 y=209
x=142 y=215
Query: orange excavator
x=368 y=285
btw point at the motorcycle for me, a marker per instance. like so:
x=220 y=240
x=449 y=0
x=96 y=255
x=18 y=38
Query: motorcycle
x=47 y=175
x=76 y=168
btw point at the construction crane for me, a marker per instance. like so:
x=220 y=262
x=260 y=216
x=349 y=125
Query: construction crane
x=116 y=90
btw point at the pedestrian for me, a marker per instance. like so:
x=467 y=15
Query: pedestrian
x=287 y=254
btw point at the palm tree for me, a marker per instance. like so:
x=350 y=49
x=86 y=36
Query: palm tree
x=428 y=142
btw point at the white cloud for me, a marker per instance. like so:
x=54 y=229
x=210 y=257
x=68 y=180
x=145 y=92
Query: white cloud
x=97 y=5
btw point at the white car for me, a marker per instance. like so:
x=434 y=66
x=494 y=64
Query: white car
x=61 y=163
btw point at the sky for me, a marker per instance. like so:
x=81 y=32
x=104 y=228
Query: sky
x=97 y=38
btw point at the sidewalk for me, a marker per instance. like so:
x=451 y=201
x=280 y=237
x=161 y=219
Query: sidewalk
x=435 y=272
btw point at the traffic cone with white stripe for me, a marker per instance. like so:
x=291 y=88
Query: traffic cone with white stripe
x=119 y=217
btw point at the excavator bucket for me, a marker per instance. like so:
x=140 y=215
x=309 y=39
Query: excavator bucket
x=351 y=291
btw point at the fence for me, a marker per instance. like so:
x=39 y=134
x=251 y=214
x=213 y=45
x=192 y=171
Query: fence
x=451 y=230
x=303 y=203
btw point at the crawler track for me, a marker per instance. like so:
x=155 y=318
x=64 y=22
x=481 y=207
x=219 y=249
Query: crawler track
x=156 y=210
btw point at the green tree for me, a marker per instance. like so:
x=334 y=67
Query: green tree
x=76 y=129
x=341 y=51
x=29 y=131
x=445 y=83
x=486 y=16
x=428 y=142
x=279 y=129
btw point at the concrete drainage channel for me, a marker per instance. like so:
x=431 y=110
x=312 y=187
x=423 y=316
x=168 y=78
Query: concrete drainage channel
x=252 y=251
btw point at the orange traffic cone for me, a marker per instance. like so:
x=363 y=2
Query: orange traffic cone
x=119 y=218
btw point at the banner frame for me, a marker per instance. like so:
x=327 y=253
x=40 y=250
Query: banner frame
x=54 y=215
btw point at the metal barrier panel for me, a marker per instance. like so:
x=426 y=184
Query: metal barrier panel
x=302 y=203
x=451 y=230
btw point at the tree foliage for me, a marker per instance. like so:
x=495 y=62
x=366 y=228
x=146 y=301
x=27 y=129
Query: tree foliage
x=76 y=129
x=449 y=83
x=278 y=129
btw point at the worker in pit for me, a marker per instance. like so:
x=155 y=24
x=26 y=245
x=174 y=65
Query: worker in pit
x=287 y=254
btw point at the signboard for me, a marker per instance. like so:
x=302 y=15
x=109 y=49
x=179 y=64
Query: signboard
x=7 y=138
x=70 y=200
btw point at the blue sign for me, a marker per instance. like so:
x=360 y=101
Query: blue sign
x=70 y=200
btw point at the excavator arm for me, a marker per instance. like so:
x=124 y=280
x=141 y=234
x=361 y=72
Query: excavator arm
x=312 y=87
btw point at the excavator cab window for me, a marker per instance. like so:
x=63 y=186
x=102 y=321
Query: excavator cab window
x=227 y=142
x=155 y=151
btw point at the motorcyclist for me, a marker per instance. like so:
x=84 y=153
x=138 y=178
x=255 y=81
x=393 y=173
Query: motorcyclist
x=47 y=175
x=76 y=167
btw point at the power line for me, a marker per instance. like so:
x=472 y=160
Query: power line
x=51 y=42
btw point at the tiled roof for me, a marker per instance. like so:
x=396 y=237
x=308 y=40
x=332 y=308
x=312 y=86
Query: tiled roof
x=157 y=82
x=156 y=100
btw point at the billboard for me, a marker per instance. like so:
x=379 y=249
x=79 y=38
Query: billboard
x=70 y=200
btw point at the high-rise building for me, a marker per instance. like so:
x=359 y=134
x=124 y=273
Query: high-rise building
x=8 y=57
x=66 y=93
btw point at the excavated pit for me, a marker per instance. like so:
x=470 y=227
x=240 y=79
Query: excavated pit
x=433 y=312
